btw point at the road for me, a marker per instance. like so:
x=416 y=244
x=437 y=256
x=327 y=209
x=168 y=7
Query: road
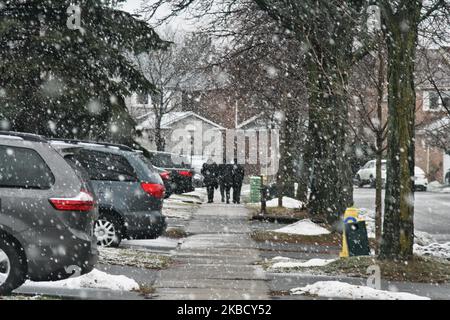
x=431 y=214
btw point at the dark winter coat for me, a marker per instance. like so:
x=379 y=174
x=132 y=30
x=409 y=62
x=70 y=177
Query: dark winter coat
x=238 y=174
x=210 y=174
x=226 y=174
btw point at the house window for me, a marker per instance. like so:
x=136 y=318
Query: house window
x=432 y=100
x=142 y=98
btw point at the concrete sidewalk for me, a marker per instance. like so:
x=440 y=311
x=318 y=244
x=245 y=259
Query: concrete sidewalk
x=217 y=261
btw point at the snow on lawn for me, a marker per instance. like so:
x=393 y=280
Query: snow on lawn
x=435 y=186
x=336 y=289
x=183 y=198
x=197 y=193
x=437 y=250
x=420 y=237
x=287 y=263
x=303 y=227
x=95 y=279
x=289 y=203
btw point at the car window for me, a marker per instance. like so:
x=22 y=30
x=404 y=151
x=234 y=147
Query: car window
x=80 y=171
x=24 y=168
x=166 y=160
x=149 y=164
x=105 y=166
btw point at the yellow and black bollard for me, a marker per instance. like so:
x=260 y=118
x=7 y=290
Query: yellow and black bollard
x=354 y=241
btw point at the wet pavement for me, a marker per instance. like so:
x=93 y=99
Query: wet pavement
x=217 y=261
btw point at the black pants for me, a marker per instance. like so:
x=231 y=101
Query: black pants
x=225 y=191
x=210 y=191
x=237 y=193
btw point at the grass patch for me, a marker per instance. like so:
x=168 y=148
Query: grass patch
x=282 y=212
x=145 y=290
x=280 y=293
x=420 y=269
x=175 y=233
x=133 y=258
x=331 y=239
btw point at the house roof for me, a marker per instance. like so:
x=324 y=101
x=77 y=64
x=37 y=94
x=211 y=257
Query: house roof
x=170 y=118
x=261 y=120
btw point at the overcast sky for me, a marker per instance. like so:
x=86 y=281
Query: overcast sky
x=178 y=23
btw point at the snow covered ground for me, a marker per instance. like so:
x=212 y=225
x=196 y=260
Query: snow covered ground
x=421 y=238
x=436 y=186
x=282 y=263
x=199 y=193
x=342 y=290
x=288 y=202
x=95 y=279
x=303 y=227
x=437 y=250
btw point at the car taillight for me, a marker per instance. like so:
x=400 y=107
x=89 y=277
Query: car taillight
x=165 y=175
x=154 y=189
x=82 y=202
x=185 y=173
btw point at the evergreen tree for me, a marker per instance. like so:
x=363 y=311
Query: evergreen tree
x=62 y=78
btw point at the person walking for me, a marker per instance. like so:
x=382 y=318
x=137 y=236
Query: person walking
x=238 y=177
x=209 y=171
x=220 y=173
x=225 y=173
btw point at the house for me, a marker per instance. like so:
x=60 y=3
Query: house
x=432 y=116
x=184 y=132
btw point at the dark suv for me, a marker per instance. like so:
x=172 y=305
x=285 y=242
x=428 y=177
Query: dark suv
x=178 y=167
x=130 y=192
x=47 y=214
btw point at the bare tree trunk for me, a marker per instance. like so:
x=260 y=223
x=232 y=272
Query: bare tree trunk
x=331 y=184
x=398 y=226
x=378 y=201
x=159 y=139
x=285 y=176
x=379 y=149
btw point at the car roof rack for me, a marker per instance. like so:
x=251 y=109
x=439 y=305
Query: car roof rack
x=24 y=136
x=93 y=144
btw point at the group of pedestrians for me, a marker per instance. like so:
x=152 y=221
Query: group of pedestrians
x=225 y=177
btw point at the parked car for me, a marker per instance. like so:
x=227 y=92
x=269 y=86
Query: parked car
x=130 y=192
x=181 y=173
x=420 y=180
x=47 y=213
x=166 y=178
x=366 y=175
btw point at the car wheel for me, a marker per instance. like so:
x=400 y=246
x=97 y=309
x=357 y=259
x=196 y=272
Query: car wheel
x=107 y=230
x=12 y=267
